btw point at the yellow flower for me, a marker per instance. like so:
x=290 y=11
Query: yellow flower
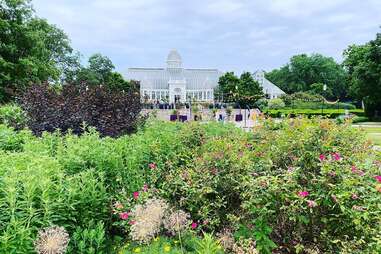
x=137 y=250
x=167 y=248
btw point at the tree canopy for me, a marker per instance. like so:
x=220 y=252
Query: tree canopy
x=308 y=73
x=363 y=64
x=31 y=49
x=99 y=71
x=243 y=90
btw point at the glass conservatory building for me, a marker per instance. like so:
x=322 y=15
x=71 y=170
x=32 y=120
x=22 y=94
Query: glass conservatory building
x=175 y=83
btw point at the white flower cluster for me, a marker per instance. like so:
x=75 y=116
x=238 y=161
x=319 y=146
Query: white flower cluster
x=52 y=240
x=148 y=219
x=176 y=221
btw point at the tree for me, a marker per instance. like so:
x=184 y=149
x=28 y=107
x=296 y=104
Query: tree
x=305 y=70
x=363 y=63
x=228 y=85
x=244 y=90
x=100 y=71
x=31 y=49
x=249 y=90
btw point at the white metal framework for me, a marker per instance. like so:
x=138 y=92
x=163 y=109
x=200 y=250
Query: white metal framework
x=175 y=83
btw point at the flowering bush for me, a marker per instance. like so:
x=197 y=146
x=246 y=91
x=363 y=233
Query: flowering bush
x=289 y=187
x=320 y=189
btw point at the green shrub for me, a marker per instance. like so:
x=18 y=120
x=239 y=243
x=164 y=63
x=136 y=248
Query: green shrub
x=303 y=100
x=318 y=190
x=360 y=119
x=209 y=187
x=89 y=240
x=12 y=115
x=328 y=113
x=35 y=192
x=11 y=140
x=252 y=184
x=275 y=103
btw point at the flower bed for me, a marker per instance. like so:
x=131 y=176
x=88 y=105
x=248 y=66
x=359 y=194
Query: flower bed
x=295 y=186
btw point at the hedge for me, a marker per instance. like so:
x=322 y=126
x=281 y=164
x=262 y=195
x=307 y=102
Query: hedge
x=329 y=113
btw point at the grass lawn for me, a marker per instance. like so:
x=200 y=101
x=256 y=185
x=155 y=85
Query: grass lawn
x=373 y=131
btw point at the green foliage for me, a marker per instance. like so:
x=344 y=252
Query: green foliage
x=249 y=90
x=90 y=240
x=100 y=71
x=227 y=87
x=32 y=50
x=329 y=113
x=360 y=119
x=191 y=244
x=305 y=72
x=262 y=232
x=339 y=205
x=364 y=67
x=303 y=100
x=12 y=115
x=276 y=103
x=244 y=90
x=11 y=140
x=224 y=177
x=207 y=245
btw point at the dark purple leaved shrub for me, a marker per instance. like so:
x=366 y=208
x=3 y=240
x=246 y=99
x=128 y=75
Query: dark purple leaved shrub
x=112 y=112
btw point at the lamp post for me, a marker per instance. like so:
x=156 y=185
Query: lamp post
x=190 y=107
x=322 y=105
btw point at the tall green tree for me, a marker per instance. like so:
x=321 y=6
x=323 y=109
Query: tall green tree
x=31 y=49
x=243 y=90
x=304 y=71
x=249 y=90
x=363 y=63
x=100 y=71
x=228 y=86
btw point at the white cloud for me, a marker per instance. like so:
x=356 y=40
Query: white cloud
x=228 y=34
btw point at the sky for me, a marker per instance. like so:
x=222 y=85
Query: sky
x=230 y=35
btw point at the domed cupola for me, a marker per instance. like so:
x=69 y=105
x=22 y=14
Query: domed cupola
x=174 y=59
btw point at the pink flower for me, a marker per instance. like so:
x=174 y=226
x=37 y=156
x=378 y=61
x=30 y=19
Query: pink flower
x=152 y=165
x=336 y=156
x=136 y=194
x=194 y=225
x=354 y=196
x=361 y=173
x=355 y=170
x=321 y=157
x=145 y=187
x=378 y=178
x=124 y=216
x=311 y=203
x=303 y=194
